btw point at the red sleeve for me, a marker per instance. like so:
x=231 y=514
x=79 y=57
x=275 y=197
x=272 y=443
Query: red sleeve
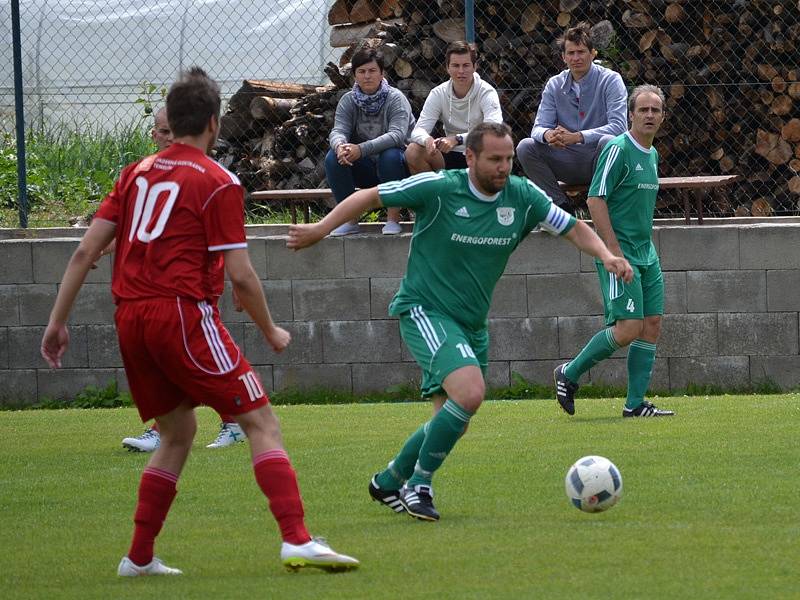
x=223 y=218
x=110 y=207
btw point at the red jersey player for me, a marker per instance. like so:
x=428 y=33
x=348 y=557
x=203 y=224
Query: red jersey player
x=178 y=221
x=230 y=432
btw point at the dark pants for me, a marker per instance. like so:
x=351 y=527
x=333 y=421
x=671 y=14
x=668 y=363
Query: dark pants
x=366 y=172
x=546 y=166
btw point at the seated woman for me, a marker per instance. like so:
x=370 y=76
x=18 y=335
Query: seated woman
x=368 y=139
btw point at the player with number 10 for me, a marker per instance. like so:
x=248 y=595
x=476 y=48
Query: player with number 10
x=178 y=221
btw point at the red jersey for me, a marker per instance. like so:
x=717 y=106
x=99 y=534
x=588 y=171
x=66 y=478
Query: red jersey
x=175 y=212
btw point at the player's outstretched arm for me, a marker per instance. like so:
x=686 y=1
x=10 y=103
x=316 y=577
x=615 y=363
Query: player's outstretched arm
x=586 y=240
x=247 y=288
x=352 y=207
x=56 y=336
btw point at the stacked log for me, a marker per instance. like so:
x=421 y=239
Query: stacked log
x=728 y=70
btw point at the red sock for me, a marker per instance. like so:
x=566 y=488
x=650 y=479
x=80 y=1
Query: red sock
x=156 y=493
x=226 y=418
x=155 y=426
x=278 y=481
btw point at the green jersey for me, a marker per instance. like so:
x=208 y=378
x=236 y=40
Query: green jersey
x=462 y=239
x=626 y=176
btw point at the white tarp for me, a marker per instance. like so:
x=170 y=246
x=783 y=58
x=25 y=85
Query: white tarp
x=88 y=59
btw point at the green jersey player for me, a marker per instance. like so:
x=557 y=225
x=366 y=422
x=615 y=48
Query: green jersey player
x=622 y=198
x=468 y=222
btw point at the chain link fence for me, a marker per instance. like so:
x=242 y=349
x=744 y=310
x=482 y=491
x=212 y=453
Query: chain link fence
x=729 y=70
x=92 y=72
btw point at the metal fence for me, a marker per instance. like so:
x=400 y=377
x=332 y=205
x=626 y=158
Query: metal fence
x=729 y=70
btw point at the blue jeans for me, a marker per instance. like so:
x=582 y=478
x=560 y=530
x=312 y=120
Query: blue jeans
x=366 y=172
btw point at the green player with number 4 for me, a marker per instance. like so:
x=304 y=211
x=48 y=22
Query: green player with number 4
x=468 y=222
x=622 y=198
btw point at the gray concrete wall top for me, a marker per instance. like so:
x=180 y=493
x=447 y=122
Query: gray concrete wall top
x=732 y=307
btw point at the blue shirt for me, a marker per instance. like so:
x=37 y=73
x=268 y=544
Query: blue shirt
x=600 y=110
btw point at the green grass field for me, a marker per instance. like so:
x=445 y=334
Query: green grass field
x=708 y=511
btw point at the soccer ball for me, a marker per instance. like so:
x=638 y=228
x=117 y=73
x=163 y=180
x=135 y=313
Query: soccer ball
x=593 y=484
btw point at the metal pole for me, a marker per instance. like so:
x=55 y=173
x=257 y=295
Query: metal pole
x=469 y=20
x=20 y=115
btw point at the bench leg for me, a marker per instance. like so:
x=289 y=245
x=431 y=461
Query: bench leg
x=687 y=207
x=699 y=196
x=294 y=215
x=306 y=213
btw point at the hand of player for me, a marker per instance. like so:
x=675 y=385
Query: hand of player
x=54 y=343
x=278 y=338
x=619 y=267
x=304 y=235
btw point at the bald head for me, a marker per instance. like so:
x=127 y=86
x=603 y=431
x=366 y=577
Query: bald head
x=161 y=133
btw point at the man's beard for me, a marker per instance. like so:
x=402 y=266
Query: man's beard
x=490 y=184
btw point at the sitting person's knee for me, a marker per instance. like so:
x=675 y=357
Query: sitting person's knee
x=391 y=165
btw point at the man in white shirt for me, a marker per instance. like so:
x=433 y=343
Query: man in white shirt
x=460 y=103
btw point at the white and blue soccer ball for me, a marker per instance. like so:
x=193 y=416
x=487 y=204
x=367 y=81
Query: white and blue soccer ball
x=593 y=484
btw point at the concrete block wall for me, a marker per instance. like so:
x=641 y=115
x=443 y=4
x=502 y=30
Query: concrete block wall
x=732 y=306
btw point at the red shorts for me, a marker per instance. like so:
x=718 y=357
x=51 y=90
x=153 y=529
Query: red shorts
x=177 y=350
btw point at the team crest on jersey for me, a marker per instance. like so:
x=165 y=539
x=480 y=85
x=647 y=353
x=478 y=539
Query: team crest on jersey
x=505 y=215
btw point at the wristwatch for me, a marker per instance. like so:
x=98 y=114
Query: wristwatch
x=459 y=139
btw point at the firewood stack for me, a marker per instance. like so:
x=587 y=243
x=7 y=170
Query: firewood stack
x=728 y=68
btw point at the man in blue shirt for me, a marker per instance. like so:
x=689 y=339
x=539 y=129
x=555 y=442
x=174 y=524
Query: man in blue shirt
x=581 y=109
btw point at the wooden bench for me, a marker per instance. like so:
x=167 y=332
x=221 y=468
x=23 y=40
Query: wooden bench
x=697 y=186
x=294 y=198
x=694 y=186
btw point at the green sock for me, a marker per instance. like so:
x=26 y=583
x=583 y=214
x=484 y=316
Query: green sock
x=641 y=356
x=443 y=433
x=599 y=348
x=402 y=466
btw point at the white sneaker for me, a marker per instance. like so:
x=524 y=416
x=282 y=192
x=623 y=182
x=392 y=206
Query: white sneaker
x=346 y=229
x=391 y=228
x=316 y=553
x=127 y=568
x=147 y=442
x=229 y=434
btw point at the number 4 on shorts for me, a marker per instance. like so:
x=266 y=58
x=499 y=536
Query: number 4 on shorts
x=630 y=307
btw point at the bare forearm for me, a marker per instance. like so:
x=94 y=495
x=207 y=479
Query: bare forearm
x=588 y=241
x=251 y=296
x=602 y=224
x=77 y=268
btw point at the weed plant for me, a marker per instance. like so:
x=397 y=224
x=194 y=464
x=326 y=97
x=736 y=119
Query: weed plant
x=70 y=169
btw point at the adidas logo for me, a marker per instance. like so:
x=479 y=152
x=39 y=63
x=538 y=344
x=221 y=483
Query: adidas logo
x=639 y=167
x=462 y=212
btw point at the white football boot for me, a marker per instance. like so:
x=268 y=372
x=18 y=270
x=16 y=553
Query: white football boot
x=229 y=434
x=316 y=553
x=149 y=441
x=127 y=568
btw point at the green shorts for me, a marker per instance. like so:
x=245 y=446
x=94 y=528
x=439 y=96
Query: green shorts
x=642 y=297
x=440 y=346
